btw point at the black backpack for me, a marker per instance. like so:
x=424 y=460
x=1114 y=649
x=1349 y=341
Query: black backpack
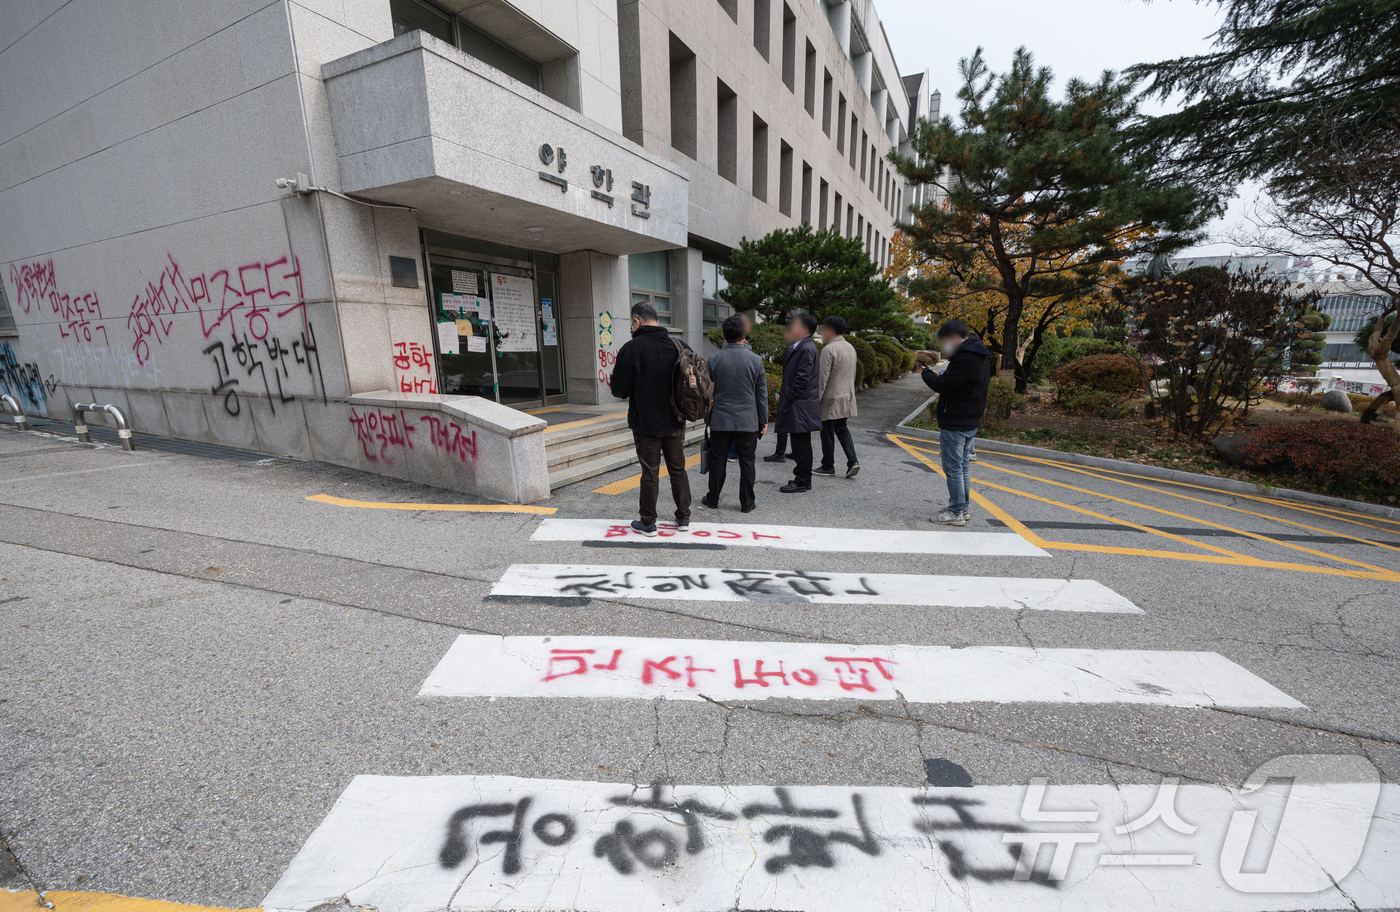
x=692 y=390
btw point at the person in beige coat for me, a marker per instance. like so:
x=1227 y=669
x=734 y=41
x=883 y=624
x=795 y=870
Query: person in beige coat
x=838 y=397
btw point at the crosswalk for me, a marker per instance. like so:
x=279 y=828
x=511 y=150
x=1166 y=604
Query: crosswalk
x=423 y=844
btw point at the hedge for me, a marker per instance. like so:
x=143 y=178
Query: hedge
x=1342 y=457
x=878 y=359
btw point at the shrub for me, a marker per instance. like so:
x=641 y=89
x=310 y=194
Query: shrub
x=1001 y=399
x=1342 y=457
x=925 y=359
x=774 y=373
x=1102 y=373
x=893 y=353
x=868 y=372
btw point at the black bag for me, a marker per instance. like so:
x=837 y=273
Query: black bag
x=705 y=453
x=692 y=390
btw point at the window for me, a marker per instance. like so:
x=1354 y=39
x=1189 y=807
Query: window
x=712 y=282
x=760 y=159
x=762 y=23
x=836 y=212
x=841 y=123
x=809 y=82
x=826 y=102
x=821 y=206
x=873 y=156
x=789 y=49
x=7 y=318
x=864 y=150
x=784 y=178
x=855 y=125
x=806 y=193
x=850 y=220
x=860 y=231
x=486 y=49
x=727 y=117
x=412 y=16
x=731 y=8
x=649 y=274
x=683 y=113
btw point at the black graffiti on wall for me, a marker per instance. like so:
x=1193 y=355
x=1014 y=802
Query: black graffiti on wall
x=264 y=363
x=23 y=380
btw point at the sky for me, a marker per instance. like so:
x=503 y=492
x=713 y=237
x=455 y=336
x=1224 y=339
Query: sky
x=1072 y=37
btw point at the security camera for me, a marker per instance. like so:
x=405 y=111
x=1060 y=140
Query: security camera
x=284 y=182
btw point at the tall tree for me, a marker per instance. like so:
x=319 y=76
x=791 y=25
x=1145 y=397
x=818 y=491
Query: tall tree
x=1047 y=192
x=1341 y=205
x=819 y=272
x=1279 y=69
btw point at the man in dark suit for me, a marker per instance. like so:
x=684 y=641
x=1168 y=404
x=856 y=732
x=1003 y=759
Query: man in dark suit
x=643 y=375
x=799 y=402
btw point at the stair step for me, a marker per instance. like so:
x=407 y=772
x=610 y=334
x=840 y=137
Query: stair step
x=582 y=469
x=611 y=423
x=588 y=448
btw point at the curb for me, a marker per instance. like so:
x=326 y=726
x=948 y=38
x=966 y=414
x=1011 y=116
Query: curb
x=1227 y=485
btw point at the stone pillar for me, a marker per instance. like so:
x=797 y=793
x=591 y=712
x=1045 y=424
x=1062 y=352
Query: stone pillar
x=687 y=296
x=594 y=320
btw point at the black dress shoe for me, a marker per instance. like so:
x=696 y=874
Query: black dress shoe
x=853 y=470
x=749 y=509
x=819 y=470
x=793 y=487
x=706 y=501
x=776 y=457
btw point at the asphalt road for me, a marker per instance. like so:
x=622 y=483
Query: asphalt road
x=196 y=661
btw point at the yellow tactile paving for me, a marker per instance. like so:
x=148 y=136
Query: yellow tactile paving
x=582 y=422
x=439 y=508
x=631 y=484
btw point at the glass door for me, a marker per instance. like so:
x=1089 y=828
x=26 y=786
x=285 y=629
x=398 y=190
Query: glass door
x=463 y=309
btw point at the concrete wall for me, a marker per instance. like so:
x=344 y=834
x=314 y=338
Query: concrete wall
x=150 y=260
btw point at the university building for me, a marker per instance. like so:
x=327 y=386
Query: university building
x=381 y=233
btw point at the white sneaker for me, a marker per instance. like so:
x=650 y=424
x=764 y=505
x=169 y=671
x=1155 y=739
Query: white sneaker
x=949 y=518
x=972 y=458
x=967 y=514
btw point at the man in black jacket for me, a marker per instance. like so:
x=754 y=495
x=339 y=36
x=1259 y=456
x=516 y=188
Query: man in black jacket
x=643 y=374
x=962 y=398
x=799 y=402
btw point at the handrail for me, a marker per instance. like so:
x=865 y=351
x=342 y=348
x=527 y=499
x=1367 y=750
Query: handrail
x=123 y=426
x=13 y=407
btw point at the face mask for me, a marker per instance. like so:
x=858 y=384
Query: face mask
x=949 y=347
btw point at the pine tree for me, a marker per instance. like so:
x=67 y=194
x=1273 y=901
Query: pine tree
x=1281 y=71
x=817 y=272
x=1046 y=192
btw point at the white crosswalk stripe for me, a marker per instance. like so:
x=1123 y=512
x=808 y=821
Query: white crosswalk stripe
x=643 y=669
x=712 y=584
x=421 y=844
x=797 y=538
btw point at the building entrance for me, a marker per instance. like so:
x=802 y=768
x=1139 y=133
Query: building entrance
x=499 y=305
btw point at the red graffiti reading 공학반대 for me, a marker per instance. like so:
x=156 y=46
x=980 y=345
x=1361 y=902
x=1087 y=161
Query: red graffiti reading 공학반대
x=245 y=298
x=414 y=363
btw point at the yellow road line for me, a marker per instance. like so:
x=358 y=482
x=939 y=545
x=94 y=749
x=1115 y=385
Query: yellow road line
x=1225 y=557
x=1095 y=473
x=631 y=484
x=63 y=901
x=582 y=422
x=1315 y=509
x=438 y=508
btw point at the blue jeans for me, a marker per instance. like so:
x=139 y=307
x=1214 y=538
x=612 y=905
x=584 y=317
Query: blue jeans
x=956 y=448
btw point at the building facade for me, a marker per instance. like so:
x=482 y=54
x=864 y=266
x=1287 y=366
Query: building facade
x=378 y=232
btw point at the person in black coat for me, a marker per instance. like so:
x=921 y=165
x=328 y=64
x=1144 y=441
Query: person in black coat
x=962 y=398
x=643 y=375
x=799 y=402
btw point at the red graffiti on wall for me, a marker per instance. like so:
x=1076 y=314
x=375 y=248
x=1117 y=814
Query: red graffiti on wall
x=37 y=284
x=451 y=438
x=382 y=433
x=246 y=297
x=606 y=360
x=415 y=366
